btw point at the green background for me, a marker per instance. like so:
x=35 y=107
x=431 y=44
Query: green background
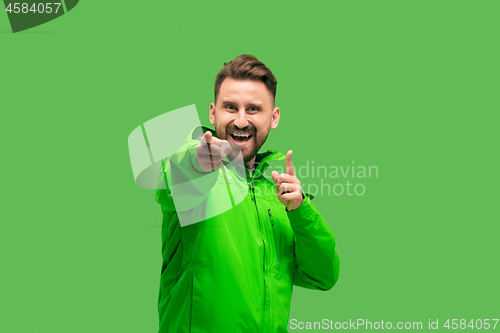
x=409 y=86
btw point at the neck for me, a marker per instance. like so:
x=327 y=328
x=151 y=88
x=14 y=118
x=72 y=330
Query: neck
x=250 y=165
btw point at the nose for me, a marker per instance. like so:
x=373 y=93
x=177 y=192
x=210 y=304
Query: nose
x=241 y=120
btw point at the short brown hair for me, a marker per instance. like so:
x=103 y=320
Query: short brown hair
x=246 y=67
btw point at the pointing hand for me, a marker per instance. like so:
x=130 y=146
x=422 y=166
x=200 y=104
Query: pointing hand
x=211 y=151
x=288 y=187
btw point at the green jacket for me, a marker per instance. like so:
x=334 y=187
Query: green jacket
x=234 y=272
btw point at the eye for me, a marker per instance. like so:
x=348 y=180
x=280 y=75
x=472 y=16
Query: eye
x=230 y=107
x=254 y=108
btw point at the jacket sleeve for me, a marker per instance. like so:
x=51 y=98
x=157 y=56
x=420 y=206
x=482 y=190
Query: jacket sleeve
x=317 y=264
x=180 y=167
x=171 y=250
x=188 y=183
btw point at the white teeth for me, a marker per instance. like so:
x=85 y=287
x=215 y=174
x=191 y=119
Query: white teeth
x=241 y=135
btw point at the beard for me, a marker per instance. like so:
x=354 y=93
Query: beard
x=251 y=149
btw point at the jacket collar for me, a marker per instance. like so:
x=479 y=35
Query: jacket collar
x=263 y=161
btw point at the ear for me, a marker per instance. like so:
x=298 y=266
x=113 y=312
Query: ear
x=275 y=118
x=212 y=113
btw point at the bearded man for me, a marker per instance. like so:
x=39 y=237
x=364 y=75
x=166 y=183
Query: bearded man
x=235 y=268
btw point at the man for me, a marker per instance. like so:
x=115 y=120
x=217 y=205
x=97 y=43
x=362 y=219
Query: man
x=234 y=271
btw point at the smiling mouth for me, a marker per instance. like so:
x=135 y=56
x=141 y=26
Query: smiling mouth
x=240 y=137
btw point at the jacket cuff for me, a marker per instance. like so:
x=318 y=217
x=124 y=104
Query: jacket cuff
x=300 y=216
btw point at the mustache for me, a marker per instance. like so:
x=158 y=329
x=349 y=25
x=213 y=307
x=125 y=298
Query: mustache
x=230 y=128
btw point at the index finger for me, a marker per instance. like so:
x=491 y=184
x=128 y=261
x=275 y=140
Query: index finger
x=208 y=137
x=289 y=166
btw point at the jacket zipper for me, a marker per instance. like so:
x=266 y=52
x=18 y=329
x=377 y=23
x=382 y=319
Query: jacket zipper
x=255 y=202
x=276 y=248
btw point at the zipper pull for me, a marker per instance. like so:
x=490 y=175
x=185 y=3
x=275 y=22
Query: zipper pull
x=252 y=196
x=276 y=239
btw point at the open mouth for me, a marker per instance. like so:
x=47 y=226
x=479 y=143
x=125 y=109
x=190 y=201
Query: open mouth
x=241 y=137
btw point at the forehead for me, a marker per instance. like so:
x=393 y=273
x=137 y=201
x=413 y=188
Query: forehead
x=244 y=91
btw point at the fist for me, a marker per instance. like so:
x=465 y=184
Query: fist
x=211 y=151
x=288 y=187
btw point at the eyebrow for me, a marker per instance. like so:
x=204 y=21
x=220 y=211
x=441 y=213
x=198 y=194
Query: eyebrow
x=254 y=105
x=250 y=105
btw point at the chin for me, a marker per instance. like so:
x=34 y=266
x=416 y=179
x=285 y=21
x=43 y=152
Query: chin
x=248 y=158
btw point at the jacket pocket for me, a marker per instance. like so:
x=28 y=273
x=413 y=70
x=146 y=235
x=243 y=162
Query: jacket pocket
x=276 y=236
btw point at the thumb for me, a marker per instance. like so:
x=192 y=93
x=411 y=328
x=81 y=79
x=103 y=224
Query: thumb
x=275 y=176
x=225 y=149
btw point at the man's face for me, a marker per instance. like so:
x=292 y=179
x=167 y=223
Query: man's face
x=243 y=114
